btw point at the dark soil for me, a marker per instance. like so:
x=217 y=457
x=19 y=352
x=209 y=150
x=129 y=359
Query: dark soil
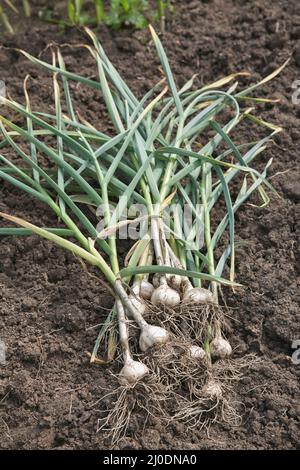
x=51 y=309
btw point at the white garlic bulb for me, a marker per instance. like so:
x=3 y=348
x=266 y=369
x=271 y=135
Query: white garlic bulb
x=165 y=295
x=196 y=352
x=132 y=372
x=220 y=348
x=152 y=335
x=212 y=389
x=146 y=290
x=198 y=295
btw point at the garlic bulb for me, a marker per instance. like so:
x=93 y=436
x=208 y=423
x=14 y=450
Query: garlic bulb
x=165 y=295
x=152 y=335
x=196 y=352
x=132 y=372
x=174 y=281
x=212 y=389
x=146 y=290
x=197 y=295
x=220 y=348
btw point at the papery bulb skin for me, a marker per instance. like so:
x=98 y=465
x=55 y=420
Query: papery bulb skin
x=165 y=295
x=132 y=372
x=212 y=390
x=220 y=348
x=146 y=290
x=198 y=295
x=196 y=352
x=152 y=335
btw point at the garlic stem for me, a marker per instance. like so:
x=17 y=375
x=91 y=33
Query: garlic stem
x=156 y=241
x=218 y=333
x=123 y=332
x=185 y=280
x=133 y=311
x=174 y=280
x=207 y=233
x=146 y=258
x=149 y=261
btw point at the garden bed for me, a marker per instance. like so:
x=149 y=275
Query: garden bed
x=50 y=307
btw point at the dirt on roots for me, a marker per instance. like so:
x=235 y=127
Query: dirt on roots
x=50 y=309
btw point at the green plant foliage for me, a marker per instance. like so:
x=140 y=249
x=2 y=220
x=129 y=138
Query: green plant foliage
x=115 y=13
x=173 y=145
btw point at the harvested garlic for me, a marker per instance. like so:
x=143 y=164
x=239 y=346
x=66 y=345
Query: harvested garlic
x=220 y=348
x=132 y=372
x=165 y=295
x=146 y=290
x=197 y=295
x=196 y=352
x=152 y=335
x=174 y=281
x=212 y=389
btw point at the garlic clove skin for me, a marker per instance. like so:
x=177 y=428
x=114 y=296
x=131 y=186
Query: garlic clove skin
x=152 y=335
x=165 y=295
x=220 y=348
x=146 y=290
x=197 y=295
x=132 y=372
x=196 y=352
x=212 y=390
